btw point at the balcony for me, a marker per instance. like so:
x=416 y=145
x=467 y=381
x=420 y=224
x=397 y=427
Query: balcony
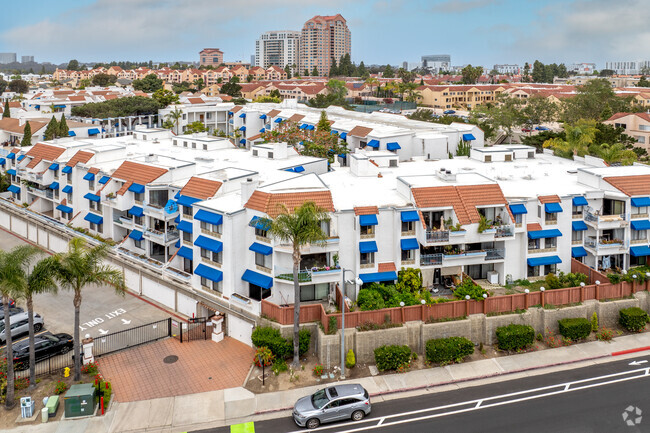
x=161 y=237
x=495 y=254
x=159 y=212
x=433 y=236
x=604 y=245
x=605 y=221
x=430 y=259
x=318 y=274
x=504 y=231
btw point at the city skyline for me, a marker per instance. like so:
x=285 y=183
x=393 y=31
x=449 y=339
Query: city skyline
x=388 y=31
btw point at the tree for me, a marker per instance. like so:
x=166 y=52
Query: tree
x=165 y=97
x=174 y=117
x=27 y=135
x=617 y=153
x=148 y=84
x=643 y=82
x=104 y=80
x=305 y=73
x=591 y=100
x=337 y=89
x=193 y=127
x=505 y=115
x=389 y=72
x=539 y=109
x=120 y=107
x=579 y=137
x=73 y=65
x=275 y=93
x=3 y=86
x=405 y=75
x=606 y=72
x=323 y=123
x=372 y=83
x=334 y=69
x=314 y=72
x=362 y=71
x=6 y=112
x=199 y=83
x=63 y=126
x=81 y=266
x=232 y=87
x=299 y=228
x=287 y=70
x=267 y=99
x=538 y=72
x=471 y=74
x=52 y=130
x=18 y=86
x=84 y=83
x=526 y=77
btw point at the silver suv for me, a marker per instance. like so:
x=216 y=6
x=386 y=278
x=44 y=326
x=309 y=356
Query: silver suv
x=20 y=326
x=332 y=404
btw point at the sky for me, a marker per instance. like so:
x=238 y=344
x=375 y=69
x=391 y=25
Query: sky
x=479 y=32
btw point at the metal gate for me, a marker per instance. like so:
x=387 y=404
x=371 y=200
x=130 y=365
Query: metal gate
x=197 y=329
x=105 y=344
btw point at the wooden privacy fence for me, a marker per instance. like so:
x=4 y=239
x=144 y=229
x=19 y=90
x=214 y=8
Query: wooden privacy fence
x=449 y=310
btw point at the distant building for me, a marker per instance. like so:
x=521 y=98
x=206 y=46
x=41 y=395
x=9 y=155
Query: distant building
x=322 y=39
x=27 y=59
x=629 y=68
x=582 y=68
x=409 y=66
x=436 y=62
x=277 y=48
x=636 y=125
x=508 y=69
x=211 y=57
x=7 y=58
x=234 y=65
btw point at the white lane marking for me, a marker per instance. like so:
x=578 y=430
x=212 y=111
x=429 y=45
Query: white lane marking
x=125 y=322
x=102 y=332
x=643 y=361
x=99 y=320
x=560 y=388
x=380 y=421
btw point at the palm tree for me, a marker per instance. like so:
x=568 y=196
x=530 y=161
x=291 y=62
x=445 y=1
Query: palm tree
x=372 y=83
x=175 y=116
x=12 y=283
x=79 y=267
x=611 y=153
x=299 y=228
x=579 y=137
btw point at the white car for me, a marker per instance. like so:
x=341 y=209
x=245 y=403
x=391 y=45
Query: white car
x=20 y=326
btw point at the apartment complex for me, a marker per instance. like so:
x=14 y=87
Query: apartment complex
x=322 y=39
x=464 y=96
x=277 y=48
x=436 y=63
x=26 y=59
x=507 y=69
x=210 y=57
x=629 y=67
x=7 y=58
x=636 y=125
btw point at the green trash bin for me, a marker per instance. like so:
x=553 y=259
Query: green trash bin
x=79 y=400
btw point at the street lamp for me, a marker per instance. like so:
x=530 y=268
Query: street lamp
x=357 y=281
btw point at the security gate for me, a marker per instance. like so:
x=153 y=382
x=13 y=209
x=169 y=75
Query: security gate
x=197 y=329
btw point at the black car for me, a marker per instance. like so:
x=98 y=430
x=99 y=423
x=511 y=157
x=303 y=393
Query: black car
x=12 y=312
x=12 y=303
x=46 y=346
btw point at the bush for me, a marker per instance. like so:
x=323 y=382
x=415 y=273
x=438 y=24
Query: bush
x=575 y=329
x=304 y=339
x=392 y=357
x=90 y=369
x=633 y=319
x=265 y=336
x=605 y=334
x=446 y=350
x=552 y=282
x=333 y=325
x=594 y=322
x=60 y=388
x=350 y=359
x=467 y=287
x=318 y=370
x=515 y=337
x=369 y=299
x=263 y=356
x=279 y=366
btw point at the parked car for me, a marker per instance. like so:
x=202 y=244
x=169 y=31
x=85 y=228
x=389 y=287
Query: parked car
x=46 y=346
x=12 y=303
x=526 y=129
x=542 y=128
x=12 y=312
x=19 y=326
x=449 y=112
x=332 y=404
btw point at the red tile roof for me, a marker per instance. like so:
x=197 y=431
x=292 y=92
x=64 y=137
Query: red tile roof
x=272 y=204
x=386 y=267
x=533 y=227
x=360 y=131
x=296 y=118
x=80 y=157
x=133 y=172
x=42 y=151
x=644 y=116
x=198 y=187
x=631 y=185
x=549 y=199
x=366 y=210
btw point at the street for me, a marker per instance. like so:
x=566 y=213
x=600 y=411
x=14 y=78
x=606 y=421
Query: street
x=606 y=398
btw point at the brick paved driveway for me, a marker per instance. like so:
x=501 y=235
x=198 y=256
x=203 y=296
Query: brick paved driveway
x=141 y=374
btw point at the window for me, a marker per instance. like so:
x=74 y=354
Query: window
x=488 y=158
x=69 y=177
x=576 y=236
x=639 y=234
x=262 y=260
x=325 y=227
x=158 y=197
x=187 y=237
x=407 y=226
x=533 y=271
x=363 y=144
x=367 y=258
x=260 y=232
x=518 y=219
x=270 y=156
x=91 y=185
x=187 y=211
x=137 y=244
x=211 y=255
x=367 y=230
x=639 y=210
x=175 y=142
x=212 y=285
x=576 y=210
x=138 y=196
x=408 y=255
x=137 y=221
x=533 y=244
x=550 y=217
x=193 y=145
x=210 y=227
x=550 y=243
x=205 y=147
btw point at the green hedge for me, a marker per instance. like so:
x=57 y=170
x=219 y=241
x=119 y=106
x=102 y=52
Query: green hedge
x=575 y=329
x=633 y=319
x=515 y=337
x=445 y=350
x=391 y=357
x=266 y=336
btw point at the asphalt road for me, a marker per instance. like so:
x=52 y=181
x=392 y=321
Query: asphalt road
x=590 y=399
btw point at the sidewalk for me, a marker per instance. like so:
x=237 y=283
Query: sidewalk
x=235 y=405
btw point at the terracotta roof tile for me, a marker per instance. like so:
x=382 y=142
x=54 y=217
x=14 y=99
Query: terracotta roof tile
x=44 y=151
x=93 y=170
x=138 y=173
x=360 y=131
x=254 y=137
x=76 y=98
x=366 y=210
x=271 y=114
x=631 y=185
x=34 y=162
x=124 y=188
x=549 y=199
x=236 y=108
x=533 y=227
x=195 y=101
x=80 y=157
x=198 y=187
x=644 y=116
x=386 y=267
x=296 y=118
x=271 y=204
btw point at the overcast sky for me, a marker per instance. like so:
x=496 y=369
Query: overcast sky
x=481 y=32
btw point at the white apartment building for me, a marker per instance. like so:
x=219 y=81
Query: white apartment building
x=508 y=69
x=629 y=67
x=582 y=68
x=277 y=48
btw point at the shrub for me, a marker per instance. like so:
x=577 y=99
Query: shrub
x=446 y=350
x=333 y=325
x=575 y=329
x=265 y=355
x=60 y=388
x=552 y=282
x=515 y=337
x=21 y=383
x=633 y=319
x=350 y=359
x=392 y=357
x=605 y=334
x=91 y=368
x=467 y=287
x=265 y=336
x=594 y=322
x=318 y=370
x=304 y=339
x=279 y=366
x=108 y=391
x=369 y=299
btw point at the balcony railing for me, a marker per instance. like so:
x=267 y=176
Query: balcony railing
x=604 y=244
x=599 y=219
x=305 y=275
x=165 y=237
x=495 y=254
x=437 y=236
x=430 y=259
x=504 y=231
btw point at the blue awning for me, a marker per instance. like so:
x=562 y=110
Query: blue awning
x=310 y=127
x=21 y=157
x=93 y=131
x=640 y=251
x=393 y=146
x=468 y=137
x=95 y=219
x=332 y=132
x=542 y=261
x=66 y=169
x=208 y=217
x=343 y=155
x=409 y=216
x=552 y=208
x=72 y=134
x=67 y=189
x=209 y=244
x=136 y=211
x=104 y=179
x=343 y=135
x=261 y=248
x=374 y=144
x=92 y=197
x=136 y=235
x=409 y=244
x=3 y=161
x=177 y=219
x=13 y=188
x=11 y=156
x=209 y=273
x=518 y=209
x=368 y=220
x=11 y=171
x=377 y=277
x=278 y=120
x=260 y=223
x=54 y=186
x=186 y=253
x=242 y=141
x=303 y=126
x=368 y=247
x=578 y=252
x=185 y=226
x=59 y=106
x=641 y=201
x=299 y=169
x=262 y=131
x=640 y=225
x=578 y=226
x=54 y=166
x=186 y=200
x=263 y=117
x=89 y=177
x=257 y=279
x=230 y=113
x=63 y=208
x=580 y=201
x=243 y=128
x=242 y=116
x=539 y=234
x=136 y=188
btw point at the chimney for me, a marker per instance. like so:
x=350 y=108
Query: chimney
x=247 y=189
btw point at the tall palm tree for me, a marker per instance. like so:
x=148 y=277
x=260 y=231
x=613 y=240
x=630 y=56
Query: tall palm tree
x=579 y=136
x=372 y=83
x=79 y=267
x=12 y=283
x=612 y=153
x=175 y=116
x=299 y=228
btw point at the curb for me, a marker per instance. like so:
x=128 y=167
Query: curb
x=625 y=352
x=487 y=376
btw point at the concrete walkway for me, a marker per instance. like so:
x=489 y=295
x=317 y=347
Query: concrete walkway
x=235 y=405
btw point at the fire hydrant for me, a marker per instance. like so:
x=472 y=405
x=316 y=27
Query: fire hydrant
x=66 y=372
